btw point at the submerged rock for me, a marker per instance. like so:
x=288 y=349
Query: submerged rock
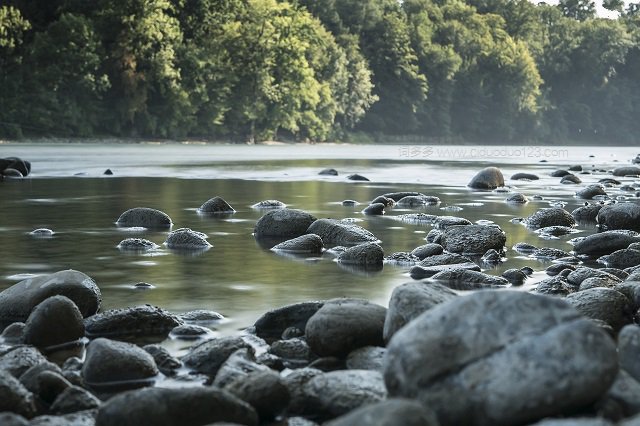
x=417 y=201
x=487 y=178
x=306 y=244
x=328 y=172
x=269 y=204
x=591 y=191
x=367 y=254
x=143 y=322
x=374 y=209
x=419 y=272
x=337 y=232
x=216 y=205
x=619 y=216
x=284 y=223
x=144 y=217
x=473 y=239
x=137 y=244
x=570 y=179
x=397 y=196
x=517 y=198
x=586 y=213
x=524 y=176
x=187 y=239
x=626 y=171
x=605 y=242
x=357 y=177
x=554 y=216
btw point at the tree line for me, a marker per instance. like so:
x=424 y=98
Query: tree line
x=251 y=70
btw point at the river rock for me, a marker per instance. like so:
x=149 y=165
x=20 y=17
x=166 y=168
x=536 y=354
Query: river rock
x=367 y=254
x=374 y=209
x=208 y=357
x=74 y=399
x=307 y=244
x=411 y=299
x=15 y=163
x=272 y=324
x=54 y=322
x=626 y=171
x=587 y=213
x=328 y=172
x=419 y=272
x=605 y=243
x=18 y=360
x=517 y=198
x=426 y=250
x=295 y=382
x=443 y=222
x=401 y=258
x=591 y=191
x=463 y=279
x=357 y=177
x=269 y=204
x=624 y=395
x=417 y=201
x=524 y=248
x=619 y=216
x=582 y=273
x=8 y=418
x=387 y=202
x=487 y=178
x=554 y=231
x=595 y=282
x=293 y=351
x=366 y=358
x=175 y=406
x=42 y=233
x=603 y=304
x=628 y=349
x=516 y=358
x=622 y=259
x=144 y=217
x=570 y=179
x=237 y=367
x=337 y=232
x=524 y=176
x=166 y=363
x=392 y=412
x=264 y=391
x=14 y=397
x=473 y=239
x=560 y=173
x=556 y=268
x=554 y=216
x=17 y=301
x=555 y=286
x=342 y=325
x=137 y=244
x=45 y=381
x=283 y=223
x=112 y=365
x=397 y=196
x=216 y=205
x=187 y=239
x=339 y=392
x=143 y=322
x=515 y=276
x=549 y=253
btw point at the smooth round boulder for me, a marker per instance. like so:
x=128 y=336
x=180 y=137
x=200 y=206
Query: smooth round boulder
x=517 y=198
x=343 y=233
x=418 y=201
x=392 y=412
x=269 y=204
x=626 y=171
x=175 y=406
x=187 y=239
x=112 y=365
x=14 y=397
x=524 y=176
x=357 y=177
x=625 y=258
x=591 y=191
x=367 y=254
x=304 y=244
x=603 y=243
x=464 y=279
x=554 y=216
x=473 y=239
x=515 y=276
x=216 y=205
x=137 y=244
x=587 y=213
x=136 y=323
x=328 y=172
x=264 y=391
x=53 y=323
x=514 y=357
x=144 y=217
x=283 y=223
x=17 y=301
x=628 y=349
x=619 y=216
x=570 y=179
x=74 y=399
x=209 y=356
x=426 y=250
x=603 y=304
x=374 y=209
x=487 y=178
x=342 y=325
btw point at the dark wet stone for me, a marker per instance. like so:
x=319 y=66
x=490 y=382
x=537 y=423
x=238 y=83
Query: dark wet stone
x=515 y=276
x=626 y=171
x=625 y=394
x=130 y=324
x=549 y=253
x=328 y=172
x=444 y=259
x=426 y=250
x=366 y=358
x=622 y=259
x=516 y=357
x=554 y=216
x=166 y=363
x=444 y=222
x=604 y=304
x=237 y=367
x=137 y=244
x=554 y=231
x=208 y=357
x=177 y=406
x=349 y=203
x=201 y=316
x=628 y=188
x=342 y=325
x=272 y=324
x=595 y=282
x=417 y=201
x=328 y=363
x=337 y=232
x=18 y=360
x=216 y=205
x=308 y=244
x=283 y=223
x=524 y=176
x=11 y=419
x=368 y=254
x=264 y=391
x=434 y=236
x=401 y=258
x=417 y=218
x=517 y=198
x=582 y=273
x=72 y=371
x=45 y=381
x=586 y=213
x=189 y=332
x=187 y=239
x=15 y=163
x=357 y=177
x=14 y=397
x=524 y=248
x=462 y=279
x=74 y=399
x=144 y=217
x=491 y=256
x=295 y=382
x=617 y=272
x=473 y=239
x=527 y=270
x=487 y=178
x=13 y=333
x=339 y=392
x=575 y=168
x=591 y=191
x=54 y=322
x=411 y=299
x=294 y=350
x=79 y=418
x=12 y=173
x=269 y=204
x=619 y=216
x=560 y=173
x=628 y=349
x=374 y=209
x=555 y=286
x=609 y=181
x=605 y=242
x=392 y=412
x=419 y=272
x=108 y=172
x=556 y=268
x=383 y=200
x=42 y=233
x=17 y=302
x=397 y=196
x=570 y=179
x=112 y=365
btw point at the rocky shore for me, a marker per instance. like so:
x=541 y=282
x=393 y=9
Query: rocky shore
x=454 y=346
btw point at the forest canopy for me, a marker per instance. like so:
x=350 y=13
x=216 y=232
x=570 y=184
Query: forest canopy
x=252 y=70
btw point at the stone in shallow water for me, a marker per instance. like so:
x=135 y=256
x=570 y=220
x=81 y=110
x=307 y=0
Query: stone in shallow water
x=374 y=209
x=272 y=324
x=216 y=205
x=367 y=254
x=427 y=250
x=605 y=242
x=357 y=177
x=208 y=357
x=619 y=216
x=587 y=213
x=144 y=217
x=137 y=323
x=591 y=191
x=417 y=201
x=42 y=233
x=54 y=322
x=524 y=176
x=463 y=279
x=337 y=232
x=137 y=244
x=187 y=239
x=487 y=178
x=307 y=244
x=550 y=217
x=473 y=239
x=284 y=223
x=269 y=204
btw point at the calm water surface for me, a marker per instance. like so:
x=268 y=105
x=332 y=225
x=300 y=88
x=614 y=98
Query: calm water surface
x=68 y=193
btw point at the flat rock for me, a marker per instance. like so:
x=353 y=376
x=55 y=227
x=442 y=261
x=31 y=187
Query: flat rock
x=144 y=217
x=419 y=272
x=216 y=205
x=283 y=223
x=272 y=324
x=473 y=239
x=367 y=254
x=587 y=213
x=619 y=216
x=426 y=250
x=392 y=412
x=357 y=177
x=554 y=216
x=187 y=239
x=417 y=201
x=17 y=301
x=137 y=323
x=306 y=244
x=516 y=358
x=487 y=178
x=54 y=322
x=603 y=304
x=524 y=176
x=337 y=232
x=605 y=242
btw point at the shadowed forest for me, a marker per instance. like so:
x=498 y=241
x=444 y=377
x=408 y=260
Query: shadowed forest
x=350 y=70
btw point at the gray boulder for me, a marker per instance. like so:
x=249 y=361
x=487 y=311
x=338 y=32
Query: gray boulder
x=14 y=397
x=426 y=250
x=283 y=223
x=554 y=216
x=73 y=399
x=487 y=178
x=605 y=242
x=603 y=304
x=374 y=209
x=622 y=259
x=624 y=394
x=628 y=349
x=587 y=213
x=411 y=299
x=626 y=171
x=366 y=358
x=367 y=254
x=328 y=172
x=187 y=239
x=336 y=232
x=137 y=323
x=144 y=217
x=591 y=191
x=208 y=357
x=137 y=244
x=304 y=244
x=417 y=201
x=463 y=279
x=619 y=216
x=17 y=302
x=264 y=391
x=272 y=324
x=473 y=239
x=514 y=357
x=269 y=204
x=342 y=325
x=524 y=176
x=237 y=367
x=19 y=359
x=392 y=412
x=216 y=205
x=175 y=406
x=581 y=273
x=53 y=323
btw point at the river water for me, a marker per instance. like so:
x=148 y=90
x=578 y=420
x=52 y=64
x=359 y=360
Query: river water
x=68 y=193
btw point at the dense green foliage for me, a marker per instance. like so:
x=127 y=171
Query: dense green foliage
x=248 y=70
